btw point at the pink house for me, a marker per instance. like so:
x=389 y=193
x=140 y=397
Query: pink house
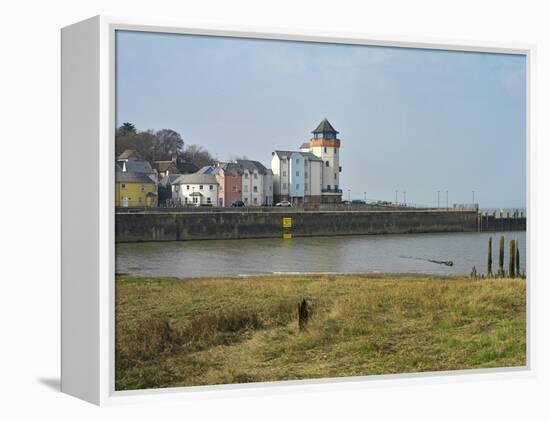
x=229 y=177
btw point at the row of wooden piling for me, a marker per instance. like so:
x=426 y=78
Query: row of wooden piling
x=514 y=268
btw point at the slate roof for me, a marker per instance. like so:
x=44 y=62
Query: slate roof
x=168 y=180
x=304 y=145
x=132 y=177
x=163 y=165
x=252 y=166
x=186 y=167
x=229 y=167
x=196 y=178
x=307 y=155
x=325 y=127
x=138 y=166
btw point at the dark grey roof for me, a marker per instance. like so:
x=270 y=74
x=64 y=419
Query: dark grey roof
x=307 y=155
x=304 y=145
x=196 y=179
x=252 y=166
x=186 y=167
x=229 y=167
x=138 y=166
x=325 y=127
x=164 y=165
x=168 y=180
x=132 y=177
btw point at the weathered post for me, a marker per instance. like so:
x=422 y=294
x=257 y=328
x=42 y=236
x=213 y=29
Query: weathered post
x=512 y=260
x=490 y=258
x=501 y=257
x=518 y=269
x=304 y=313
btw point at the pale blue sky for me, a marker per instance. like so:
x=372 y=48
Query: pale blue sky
x=409 y=119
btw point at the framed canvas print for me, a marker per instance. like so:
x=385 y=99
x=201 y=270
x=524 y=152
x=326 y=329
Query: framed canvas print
x=244 y=209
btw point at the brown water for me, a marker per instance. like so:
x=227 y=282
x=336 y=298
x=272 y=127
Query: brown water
x=345 y=254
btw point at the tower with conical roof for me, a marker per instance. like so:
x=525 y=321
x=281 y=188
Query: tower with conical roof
x=326 y=145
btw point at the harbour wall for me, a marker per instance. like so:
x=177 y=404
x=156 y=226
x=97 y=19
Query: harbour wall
x=183 y=226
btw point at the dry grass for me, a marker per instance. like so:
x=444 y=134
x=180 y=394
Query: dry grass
x=209 y=331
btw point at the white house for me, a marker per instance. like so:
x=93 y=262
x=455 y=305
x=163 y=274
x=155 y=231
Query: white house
x=257 y=183
x=195 y=190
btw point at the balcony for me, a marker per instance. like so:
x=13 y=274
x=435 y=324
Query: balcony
x=335 y=191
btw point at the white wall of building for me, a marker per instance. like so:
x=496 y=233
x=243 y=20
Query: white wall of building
x=184 y=192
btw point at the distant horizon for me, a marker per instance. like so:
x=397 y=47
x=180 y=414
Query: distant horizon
x=410 y=120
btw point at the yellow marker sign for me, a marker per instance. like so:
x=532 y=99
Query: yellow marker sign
x=287 y=236
x=287 y=222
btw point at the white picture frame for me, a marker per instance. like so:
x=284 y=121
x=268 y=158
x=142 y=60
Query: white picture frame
x=88 y=127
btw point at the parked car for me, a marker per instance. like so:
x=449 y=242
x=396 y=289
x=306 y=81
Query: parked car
x=358 y=202
x=238 y=204
x=346 y=202
x=284 y=204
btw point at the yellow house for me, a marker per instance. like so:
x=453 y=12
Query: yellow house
x=134 y=189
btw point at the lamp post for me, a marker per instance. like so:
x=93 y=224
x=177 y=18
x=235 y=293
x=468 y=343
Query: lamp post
x=365 y=194
x=396 y=197
x=473 y=198
x=405 y=198
x=349 y=195
x=447 y=199
x=438 y=199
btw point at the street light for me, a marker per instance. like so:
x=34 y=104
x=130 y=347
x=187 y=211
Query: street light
x=396 y=197
x=473 y=198
x=438 y=199
x=447 y=199
x=349 y=195
x=405 y=198
x=365 y=193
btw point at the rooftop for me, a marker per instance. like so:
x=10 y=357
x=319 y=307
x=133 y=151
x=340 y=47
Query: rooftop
x=325 y=127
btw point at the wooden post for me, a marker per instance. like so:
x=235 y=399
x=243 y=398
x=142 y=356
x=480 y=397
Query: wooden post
x=512 y=259
x=304 y=314
x=518 y=269
x=501 y=256
x=490 y=258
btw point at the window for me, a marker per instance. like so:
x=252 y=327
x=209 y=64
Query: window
x=200 y=187
x=234 y=188
x=123 y=186
x=326 y=164
x=297 y=187
x=328 y=187
x=255 y=201
x=305 y=174
x=297 y=173
x=283 y=161
x=255 y=189
x=212 y=187
x=208 y=200
x=246 y=189
x=270 y=187
x=335 y=151
x=284 y=186
x=284 y=173
x=325 y=149
x=297 y=161
x=140 y=199
x=194 y=200
x=305 y=187
x=255 y=176
x=335 y=176
x=246 y=199
x=246 y=175
x=188 y=187
x=143 y=187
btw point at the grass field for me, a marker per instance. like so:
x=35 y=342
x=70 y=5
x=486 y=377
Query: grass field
x=173 y=332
